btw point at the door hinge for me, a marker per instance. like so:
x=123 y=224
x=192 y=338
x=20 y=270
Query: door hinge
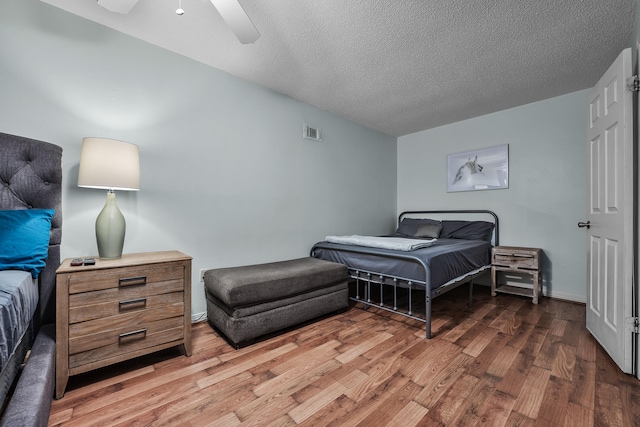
x=633 y=84
x=633 y=324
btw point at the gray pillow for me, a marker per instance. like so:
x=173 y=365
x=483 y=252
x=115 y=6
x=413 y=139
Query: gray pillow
x=468 y=230
x=409 y=226
x=431 y=231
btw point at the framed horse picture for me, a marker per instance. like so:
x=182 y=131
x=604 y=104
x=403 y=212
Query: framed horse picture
x=482 y=169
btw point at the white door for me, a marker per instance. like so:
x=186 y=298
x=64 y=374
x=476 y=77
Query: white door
x=610 y=212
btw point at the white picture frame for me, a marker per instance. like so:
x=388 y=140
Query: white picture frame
x=481 y=169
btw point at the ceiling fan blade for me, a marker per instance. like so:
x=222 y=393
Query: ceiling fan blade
x=237 y=19
x=118 y=6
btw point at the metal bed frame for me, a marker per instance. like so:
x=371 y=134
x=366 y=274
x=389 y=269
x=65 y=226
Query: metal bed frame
x=395 y=282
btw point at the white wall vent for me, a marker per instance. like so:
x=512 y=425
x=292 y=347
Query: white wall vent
x=311 y=133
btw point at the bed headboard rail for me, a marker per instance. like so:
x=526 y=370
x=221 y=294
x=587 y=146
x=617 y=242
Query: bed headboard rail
x=496 y=230
x=31 y=178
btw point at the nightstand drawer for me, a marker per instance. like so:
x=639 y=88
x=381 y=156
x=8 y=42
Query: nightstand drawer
x=125 y=320
x=127 y=342
x=515 y=258
x=110 y=302
x=122 y=337
x=124 y=277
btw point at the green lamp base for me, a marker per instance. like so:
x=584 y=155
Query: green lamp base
x=110 y=229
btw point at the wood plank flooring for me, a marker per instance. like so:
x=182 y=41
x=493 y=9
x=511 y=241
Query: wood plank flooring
x=502 y=362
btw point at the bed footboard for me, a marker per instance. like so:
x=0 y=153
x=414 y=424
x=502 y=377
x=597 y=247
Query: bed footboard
x=373 y=289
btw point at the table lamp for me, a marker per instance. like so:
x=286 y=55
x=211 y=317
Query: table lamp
x=112 y=165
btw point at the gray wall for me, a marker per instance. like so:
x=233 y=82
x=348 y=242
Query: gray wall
x=226 y=176
x=547 y=181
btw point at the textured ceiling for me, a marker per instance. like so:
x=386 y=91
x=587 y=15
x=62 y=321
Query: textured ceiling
x=398 y=66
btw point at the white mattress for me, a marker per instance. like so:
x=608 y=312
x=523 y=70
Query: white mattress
x=18 y=302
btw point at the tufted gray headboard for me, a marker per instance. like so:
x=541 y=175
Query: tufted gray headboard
x=31 y=177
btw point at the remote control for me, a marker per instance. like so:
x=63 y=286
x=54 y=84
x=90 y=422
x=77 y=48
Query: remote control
x=89 y=261
x=77 y=261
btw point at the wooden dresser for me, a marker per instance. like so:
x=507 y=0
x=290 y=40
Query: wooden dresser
x=516 y=260
x=119 y=309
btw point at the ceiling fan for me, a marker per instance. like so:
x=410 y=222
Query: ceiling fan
x=230 y=10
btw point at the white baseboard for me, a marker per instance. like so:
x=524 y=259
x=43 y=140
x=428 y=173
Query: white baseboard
x=198 y=317
x=567 y=297
x=545 y=293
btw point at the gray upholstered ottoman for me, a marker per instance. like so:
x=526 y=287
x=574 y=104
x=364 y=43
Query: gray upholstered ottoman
x=247 y=302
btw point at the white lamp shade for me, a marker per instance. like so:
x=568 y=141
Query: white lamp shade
x=110 y=164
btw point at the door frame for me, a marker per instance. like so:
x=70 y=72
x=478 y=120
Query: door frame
x=635 y=290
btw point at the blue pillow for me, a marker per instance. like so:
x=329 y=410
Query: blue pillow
x=24 y=239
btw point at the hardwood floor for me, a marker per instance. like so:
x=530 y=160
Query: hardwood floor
x=502 y=362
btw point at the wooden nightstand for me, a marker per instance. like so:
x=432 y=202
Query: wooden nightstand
x=119 y=309
x=516 y=260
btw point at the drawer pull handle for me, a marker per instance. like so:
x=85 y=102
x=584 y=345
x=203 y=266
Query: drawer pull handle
x=514 y=256
x=139 y=334
x=123 y=305
x=133 y=281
